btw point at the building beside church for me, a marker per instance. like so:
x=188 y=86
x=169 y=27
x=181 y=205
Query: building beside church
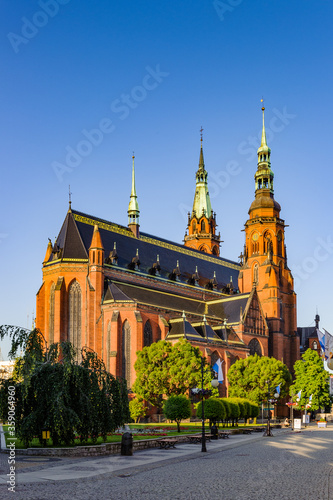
x=116 y=289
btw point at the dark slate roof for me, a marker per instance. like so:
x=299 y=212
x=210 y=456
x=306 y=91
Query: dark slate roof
x=232 y=337
x=229 y=307
x=206 y=331
x=70 y=242
x=113 y=293
x=75 y=238
x=181 y=328
x=149 y=296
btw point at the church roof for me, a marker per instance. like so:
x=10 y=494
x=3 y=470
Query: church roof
x=75 y=237
x=181 y=328
x=230 y=307
x=176 y=304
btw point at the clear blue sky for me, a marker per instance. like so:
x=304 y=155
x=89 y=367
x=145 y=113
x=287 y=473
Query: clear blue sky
x=149 y=74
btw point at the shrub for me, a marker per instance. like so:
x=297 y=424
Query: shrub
x=177 y=408
x=214 y=410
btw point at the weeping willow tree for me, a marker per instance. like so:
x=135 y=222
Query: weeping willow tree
x=54 y=390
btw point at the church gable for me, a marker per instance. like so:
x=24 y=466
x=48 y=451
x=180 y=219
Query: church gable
x=253 y=317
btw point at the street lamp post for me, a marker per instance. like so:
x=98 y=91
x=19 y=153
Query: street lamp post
x=203 y=435
x=214 y=384
x=268 y=432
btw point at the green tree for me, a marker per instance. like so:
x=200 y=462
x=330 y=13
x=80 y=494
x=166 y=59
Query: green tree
x=177 y=408
x=68 y=397
x=312 y=379
x=233 y=407
x=248 y=378
x=163 y=369
x=214 y=410
x=137 y=409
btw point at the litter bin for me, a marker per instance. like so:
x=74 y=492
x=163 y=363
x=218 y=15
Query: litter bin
x=127 y=444
x=214 y=432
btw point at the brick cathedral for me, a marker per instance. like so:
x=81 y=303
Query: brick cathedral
x=116 y=289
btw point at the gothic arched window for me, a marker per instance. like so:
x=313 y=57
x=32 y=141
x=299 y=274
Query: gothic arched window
x=203 y=226
x=255 y=274
x=51 y=315
x=267 y=239
x=279 y=243
x=126 y=353
x=147 y=334
x=255 y=347
x=74 y=325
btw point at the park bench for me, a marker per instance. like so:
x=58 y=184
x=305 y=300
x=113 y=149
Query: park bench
x=167 y=443
x=247 y=431
x=197 y=438
x=223 y=434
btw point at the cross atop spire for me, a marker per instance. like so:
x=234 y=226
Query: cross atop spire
x=69 y=197
x=201 y=158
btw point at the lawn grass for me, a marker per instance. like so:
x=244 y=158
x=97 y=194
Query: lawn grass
x=162 y=430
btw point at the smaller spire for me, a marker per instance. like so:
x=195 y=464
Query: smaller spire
x=96 y=240
x=133 y=207
x=48 y=251
x=201 y=158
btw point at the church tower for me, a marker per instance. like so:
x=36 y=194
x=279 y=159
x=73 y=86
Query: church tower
x=133 y=207
x=200 y=233
x=264 y=263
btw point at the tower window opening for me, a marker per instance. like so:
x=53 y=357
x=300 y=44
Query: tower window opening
x=203 y=227
x=259 y=184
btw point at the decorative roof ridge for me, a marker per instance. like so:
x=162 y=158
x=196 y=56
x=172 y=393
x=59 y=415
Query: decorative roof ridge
x=230 y=298
x=147 y=238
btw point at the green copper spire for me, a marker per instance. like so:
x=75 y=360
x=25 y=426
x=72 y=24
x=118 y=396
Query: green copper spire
x=133 y=207
x=264 y=175
x=201 y=204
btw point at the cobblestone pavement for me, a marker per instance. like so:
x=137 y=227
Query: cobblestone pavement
x=289 y=466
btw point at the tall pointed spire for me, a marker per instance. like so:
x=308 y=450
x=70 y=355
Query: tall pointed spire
x=264 y=175
x=202 y=221
x=201 y=204
x=133 y=207
x=263 y=135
